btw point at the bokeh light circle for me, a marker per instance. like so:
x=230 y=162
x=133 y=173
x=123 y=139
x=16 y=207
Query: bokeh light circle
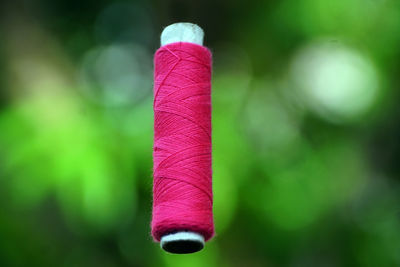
x=336 y=82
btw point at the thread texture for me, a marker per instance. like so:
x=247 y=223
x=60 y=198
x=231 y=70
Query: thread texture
x=182 y=188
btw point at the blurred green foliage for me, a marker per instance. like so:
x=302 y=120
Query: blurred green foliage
x=306 y=132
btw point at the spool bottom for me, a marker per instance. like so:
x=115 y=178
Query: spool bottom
x=182 y=242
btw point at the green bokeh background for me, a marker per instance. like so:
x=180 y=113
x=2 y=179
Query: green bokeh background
x=306 y=127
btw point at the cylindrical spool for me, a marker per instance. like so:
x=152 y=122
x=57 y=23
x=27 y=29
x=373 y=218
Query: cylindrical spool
x=182 y=240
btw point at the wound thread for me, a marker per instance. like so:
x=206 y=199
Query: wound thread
x=182 y=188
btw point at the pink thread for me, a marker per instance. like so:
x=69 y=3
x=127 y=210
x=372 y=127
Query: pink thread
x=182 y=189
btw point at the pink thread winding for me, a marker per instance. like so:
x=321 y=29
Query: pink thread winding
x=182 y=189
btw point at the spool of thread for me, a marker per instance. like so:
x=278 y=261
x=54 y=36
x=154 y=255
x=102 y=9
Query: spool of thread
x=182 y=218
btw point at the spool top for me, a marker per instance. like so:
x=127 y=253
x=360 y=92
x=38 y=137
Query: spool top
x=182 y=242
x=182 y=32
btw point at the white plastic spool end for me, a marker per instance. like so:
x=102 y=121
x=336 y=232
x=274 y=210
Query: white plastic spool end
x=182 y=242
x=182 y=32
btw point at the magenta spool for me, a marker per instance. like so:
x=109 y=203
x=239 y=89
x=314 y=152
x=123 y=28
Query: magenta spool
x=182 y=218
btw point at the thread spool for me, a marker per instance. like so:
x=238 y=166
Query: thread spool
x=182 y=241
